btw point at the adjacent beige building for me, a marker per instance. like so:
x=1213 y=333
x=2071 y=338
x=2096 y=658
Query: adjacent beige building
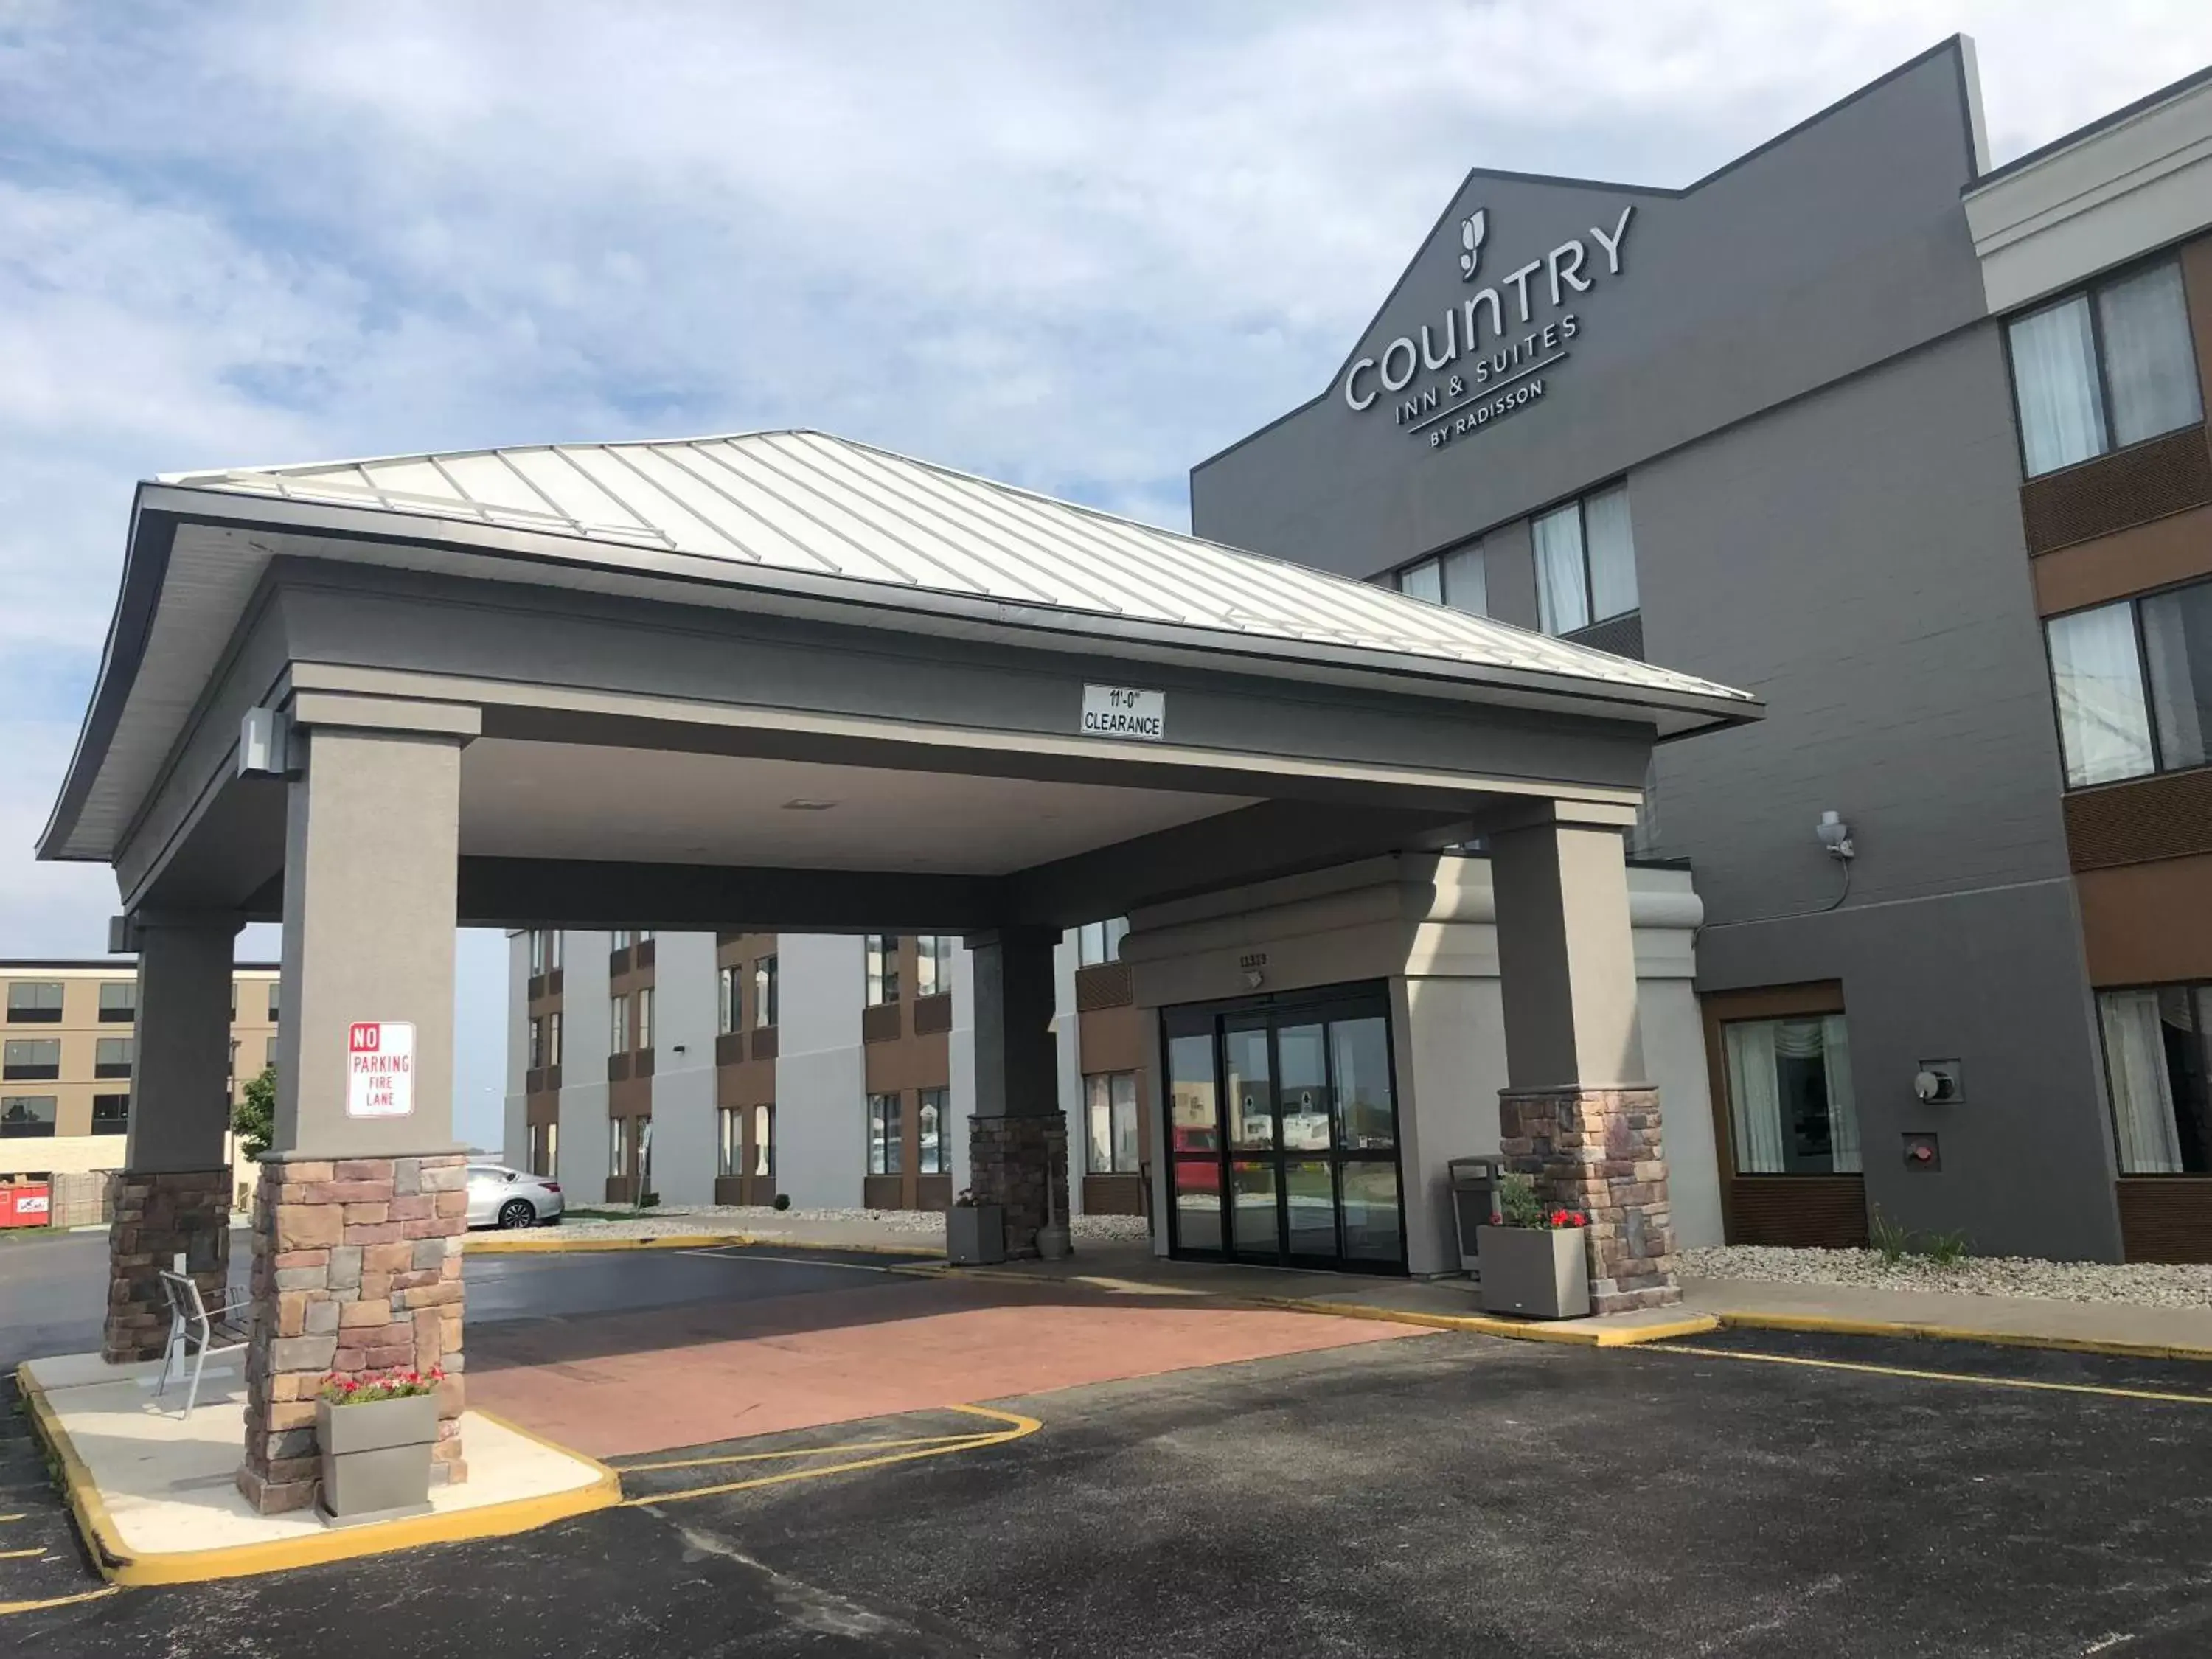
x=69 y=1055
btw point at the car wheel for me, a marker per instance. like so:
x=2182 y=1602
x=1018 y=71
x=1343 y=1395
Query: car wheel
x=517 y=1212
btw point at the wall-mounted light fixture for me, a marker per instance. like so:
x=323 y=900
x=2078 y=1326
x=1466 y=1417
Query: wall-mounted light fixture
x=1835 y=835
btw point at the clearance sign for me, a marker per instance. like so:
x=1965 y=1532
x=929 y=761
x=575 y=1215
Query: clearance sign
x=380 y=1069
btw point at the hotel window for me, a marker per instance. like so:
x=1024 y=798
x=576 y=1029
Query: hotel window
x=729 y=1006
x=1585 y=562
x=618 y=1025
x=764 y=992
x=933 y=964
x=2105 y=369
x=275 y=1003
x=536 y=1041
x=1100 y=941
x=111 y=1057
x=536 y=952
x=269 y=1051
x=2133 y=682
x=883 y=1145
x=1460 y=579
x=623 y=939
x=26 y=1117
x=35 y=1002
x=2155 y=1067
x=118 y=1002
x=764 y=1141
x=617 y=1149
x=730 y=1142
x=111 y=1115
x=1109 y=1109
x=544 y=950
x=1790 y=1096
x=644 y=1018
x=544 y=1148
x=553 y=1038
x=31 y=1060
x=883 y=968
x=933 y=1121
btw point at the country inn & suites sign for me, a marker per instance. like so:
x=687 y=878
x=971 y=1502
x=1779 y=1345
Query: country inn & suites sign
x=1489 y=356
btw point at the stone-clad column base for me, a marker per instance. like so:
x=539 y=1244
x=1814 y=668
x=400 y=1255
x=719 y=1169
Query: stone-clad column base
x=1010 y=1159
x=158 y=1216
x=1598 y=1151
x=357 y=1267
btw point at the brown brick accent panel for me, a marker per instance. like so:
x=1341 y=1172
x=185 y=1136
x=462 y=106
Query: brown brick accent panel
x=880 y=1024
x=2166 y=1218
x=933 y=1014
x=764 y=1043
x=1104 y=985
x=2132 y=486
x=1010 y=1160
x=158 y=1217
x=1598 y=1151
x=2161 y=818
x=1806 y=1211
x=357 y=1267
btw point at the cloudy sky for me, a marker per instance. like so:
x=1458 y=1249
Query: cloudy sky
x=1070 y=243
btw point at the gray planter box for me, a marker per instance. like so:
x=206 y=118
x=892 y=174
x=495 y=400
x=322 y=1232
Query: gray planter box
x=1541 y=1271
x=376 y=1457
x=975 y=1236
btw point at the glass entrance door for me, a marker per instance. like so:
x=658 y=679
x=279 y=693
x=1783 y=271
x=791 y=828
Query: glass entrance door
x=1282 y=1132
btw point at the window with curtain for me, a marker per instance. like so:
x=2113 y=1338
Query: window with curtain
x=1422 y=580
x=933 y=964
x=730 y=1142
x=1100 y=941
x=112 y=1056
x=1790 y=1109
x=537 y=1041
x=118 y=1001
x=644 y=1018
x=1109 y=1109
x=933 y=1126
x=1460 y=579
x=728 y=1006
x=2104 y=369
x=618 y=1025
x=764 y=1141
x=883 y=968
x=2155 y=1072
x=617 y=1149
x=1585 y=562
x=764 y=992
x=553 y=1038
x=884 y=1147
x=2132 y=682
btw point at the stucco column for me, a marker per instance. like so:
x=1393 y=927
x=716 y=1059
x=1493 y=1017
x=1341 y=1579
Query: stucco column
x=173 y=1195
x=1578 y=1115
x=1018 y=1138
x=358 y=1218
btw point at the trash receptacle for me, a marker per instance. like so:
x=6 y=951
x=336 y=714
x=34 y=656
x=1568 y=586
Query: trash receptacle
x=1474 y=1204
x=26 y=1205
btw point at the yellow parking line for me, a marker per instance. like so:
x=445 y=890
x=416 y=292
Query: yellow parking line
x=1942 y=1377
x=7 y=1607
x=805 y=1451
x=1017 y=1427
x=19 y=1555
x=13 y=1517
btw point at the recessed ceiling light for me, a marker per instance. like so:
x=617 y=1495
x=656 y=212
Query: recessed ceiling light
x=801 y=804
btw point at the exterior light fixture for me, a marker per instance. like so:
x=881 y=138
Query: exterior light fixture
x=1835 y=835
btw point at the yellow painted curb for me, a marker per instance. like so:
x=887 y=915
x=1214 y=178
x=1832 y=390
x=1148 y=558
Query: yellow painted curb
x=119 y=1566
x=1571 y=1333
x=519 y=1243
x=1820 y=1325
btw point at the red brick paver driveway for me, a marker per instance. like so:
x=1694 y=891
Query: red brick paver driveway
x=616 y=1383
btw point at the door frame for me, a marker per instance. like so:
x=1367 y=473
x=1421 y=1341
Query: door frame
x=1357 y=998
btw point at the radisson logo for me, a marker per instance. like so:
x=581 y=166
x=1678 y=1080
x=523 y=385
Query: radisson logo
x=1489 y=357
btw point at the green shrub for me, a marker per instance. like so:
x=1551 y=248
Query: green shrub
x=1891 y=1241
x=1517 y=1201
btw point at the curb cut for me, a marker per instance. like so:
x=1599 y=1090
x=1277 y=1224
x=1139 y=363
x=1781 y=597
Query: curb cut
x=119 y=1565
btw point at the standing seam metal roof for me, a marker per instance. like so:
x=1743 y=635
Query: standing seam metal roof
x=807 y=502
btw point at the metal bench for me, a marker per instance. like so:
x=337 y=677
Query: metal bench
x=197 y=1330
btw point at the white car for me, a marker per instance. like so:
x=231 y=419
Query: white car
x=501 y=1197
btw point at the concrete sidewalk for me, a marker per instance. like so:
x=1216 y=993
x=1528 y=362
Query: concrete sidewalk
x=2033 y=1321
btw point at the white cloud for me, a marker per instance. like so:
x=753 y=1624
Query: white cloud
x=1079 y=245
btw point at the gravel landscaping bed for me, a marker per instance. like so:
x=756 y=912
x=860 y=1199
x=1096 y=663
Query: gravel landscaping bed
x=2147 y=1284
x=922 y=1226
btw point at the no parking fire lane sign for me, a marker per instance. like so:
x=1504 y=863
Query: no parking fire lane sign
x=380 y=1069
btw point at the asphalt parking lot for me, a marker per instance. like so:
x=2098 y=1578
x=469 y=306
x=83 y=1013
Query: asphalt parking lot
x=1438 y=1494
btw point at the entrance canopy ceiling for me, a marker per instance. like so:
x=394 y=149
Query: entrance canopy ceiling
x=804 y=530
